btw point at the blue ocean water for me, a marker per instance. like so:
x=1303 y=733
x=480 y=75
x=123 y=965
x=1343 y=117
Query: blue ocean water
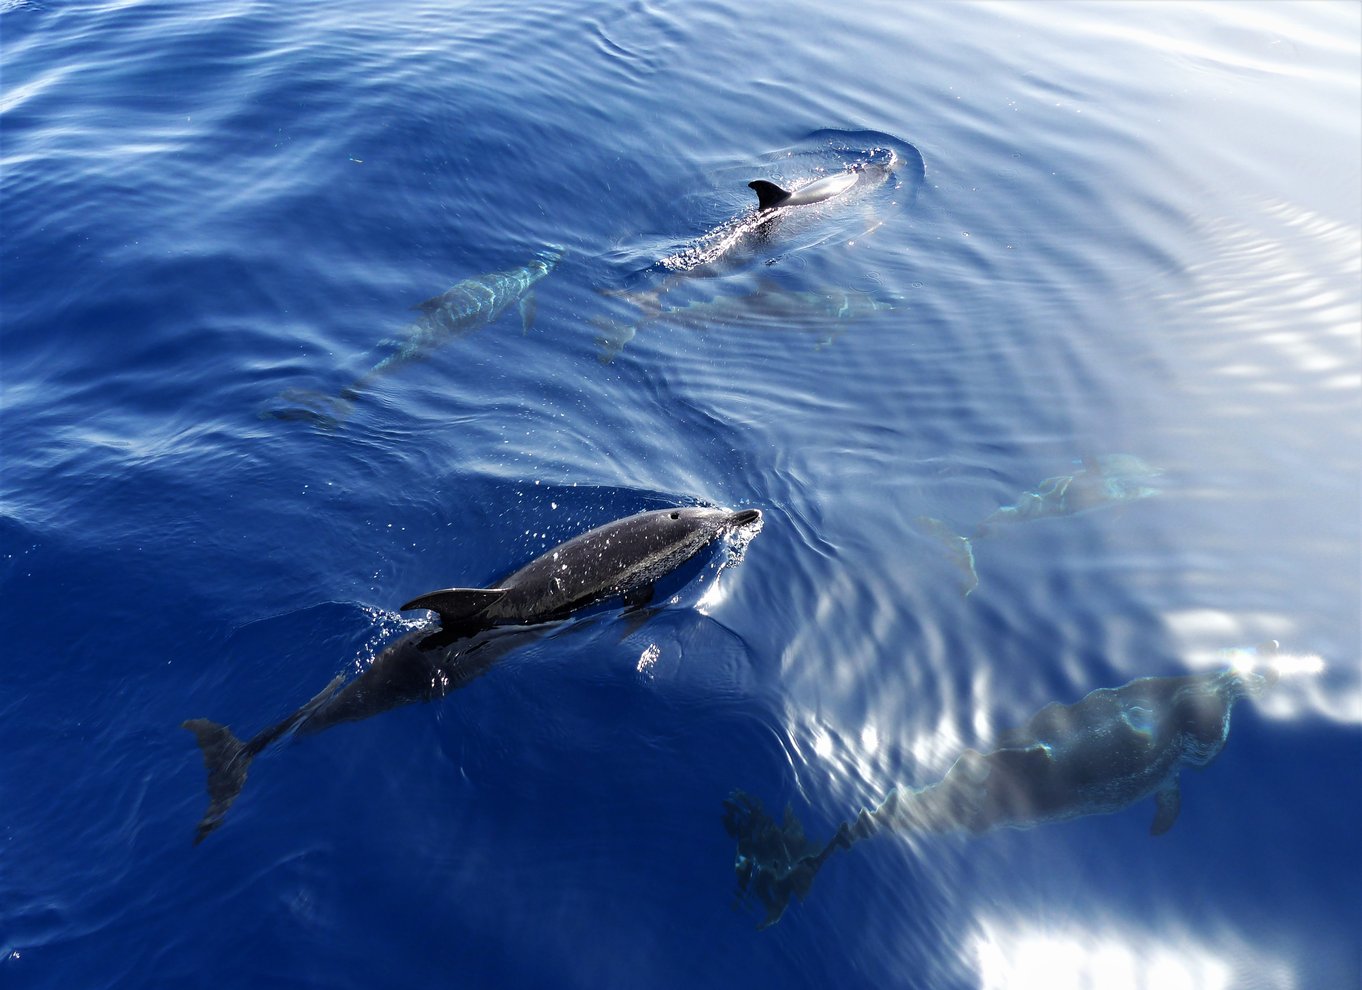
x=1092 y=230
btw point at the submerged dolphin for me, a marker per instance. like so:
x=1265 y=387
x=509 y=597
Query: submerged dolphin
x=468 y=306
x=623 y=558
x=1096 y=756
x=1107 y=480
x=826 y=311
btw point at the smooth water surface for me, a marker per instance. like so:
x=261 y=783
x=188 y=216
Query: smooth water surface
x=1096 y=231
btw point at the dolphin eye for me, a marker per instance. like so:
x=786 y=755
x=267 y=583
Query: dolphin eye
x=676 y=515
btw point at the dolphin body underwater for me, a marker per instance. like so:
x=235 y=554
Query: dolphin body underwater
x=622 y=559
x=466 y=307
x=1104 y=481
x=787 y=309
x=1096 y=756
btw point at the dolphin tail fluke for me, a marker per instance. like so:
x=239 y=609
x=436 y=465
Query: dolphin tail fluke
x=769 y=195
x=960 y=549
x=227 y=759
x=458 y=608
x=775 y=861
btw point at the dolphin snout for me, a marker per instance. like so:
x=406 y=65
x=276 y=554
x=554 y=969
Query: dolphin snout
x=745 y=516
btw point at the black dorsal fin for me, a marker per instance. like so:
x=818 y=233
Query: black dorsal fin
x=456 y=606
x=769 y=195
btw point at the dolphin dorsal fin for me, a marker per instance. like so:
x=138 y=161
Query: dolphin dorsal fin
x=456 y=606
x=769 y=195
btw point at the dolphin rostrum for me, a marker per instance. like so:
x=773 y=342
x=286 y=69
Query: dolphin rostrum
x=1098 y=755
x=1107 y=480
x=469 y=305
x=620 y=559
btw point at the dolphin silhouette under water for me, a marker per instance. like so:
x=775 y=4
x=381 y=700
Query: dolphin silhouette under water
x=1103 y=481
x=622 y=559
x=468 y=306
x=1098 y=755
x=825 y=311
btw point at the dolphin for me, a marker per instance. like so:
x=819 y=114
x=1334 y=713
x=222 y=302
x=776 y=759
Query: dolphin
x=770 y=196
x=774 y=203
x=468 y=306
x=770 y=304
x=1096 y=756
x=1107 y=480
x=620 y=559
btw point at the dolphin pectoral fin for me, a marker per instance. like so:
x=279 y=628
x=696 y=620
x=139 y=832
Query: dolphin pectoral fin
x=1169 y=803
x=528 y=308
x=456 y=606
x=612 y=338
x=634 y=620
x=636 y=598
x=769 y=195
x=960 y=549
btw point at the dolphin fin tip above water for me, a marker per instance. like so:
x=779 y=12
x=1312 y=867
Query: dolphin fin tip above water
x=769 y=195
x=457 y=607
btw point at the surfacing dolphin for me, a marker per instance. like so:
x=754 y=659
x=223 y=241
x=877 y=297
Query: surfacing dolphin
x=1096 y=756
x=774 y=204
x=468 y=306
x=1107 y=480
x=770 y=196
x=621 y=559
x=624 y=559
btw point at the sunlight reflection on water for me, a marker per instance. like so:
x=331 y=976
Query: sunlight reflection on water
x=1024 y=956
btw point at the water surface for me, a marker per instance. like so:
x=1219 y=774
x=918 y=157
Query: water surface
x=1111 y=230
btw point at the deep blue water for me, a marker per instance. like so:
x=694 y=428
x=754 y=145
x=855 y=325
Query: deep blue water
x=1107 y=229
